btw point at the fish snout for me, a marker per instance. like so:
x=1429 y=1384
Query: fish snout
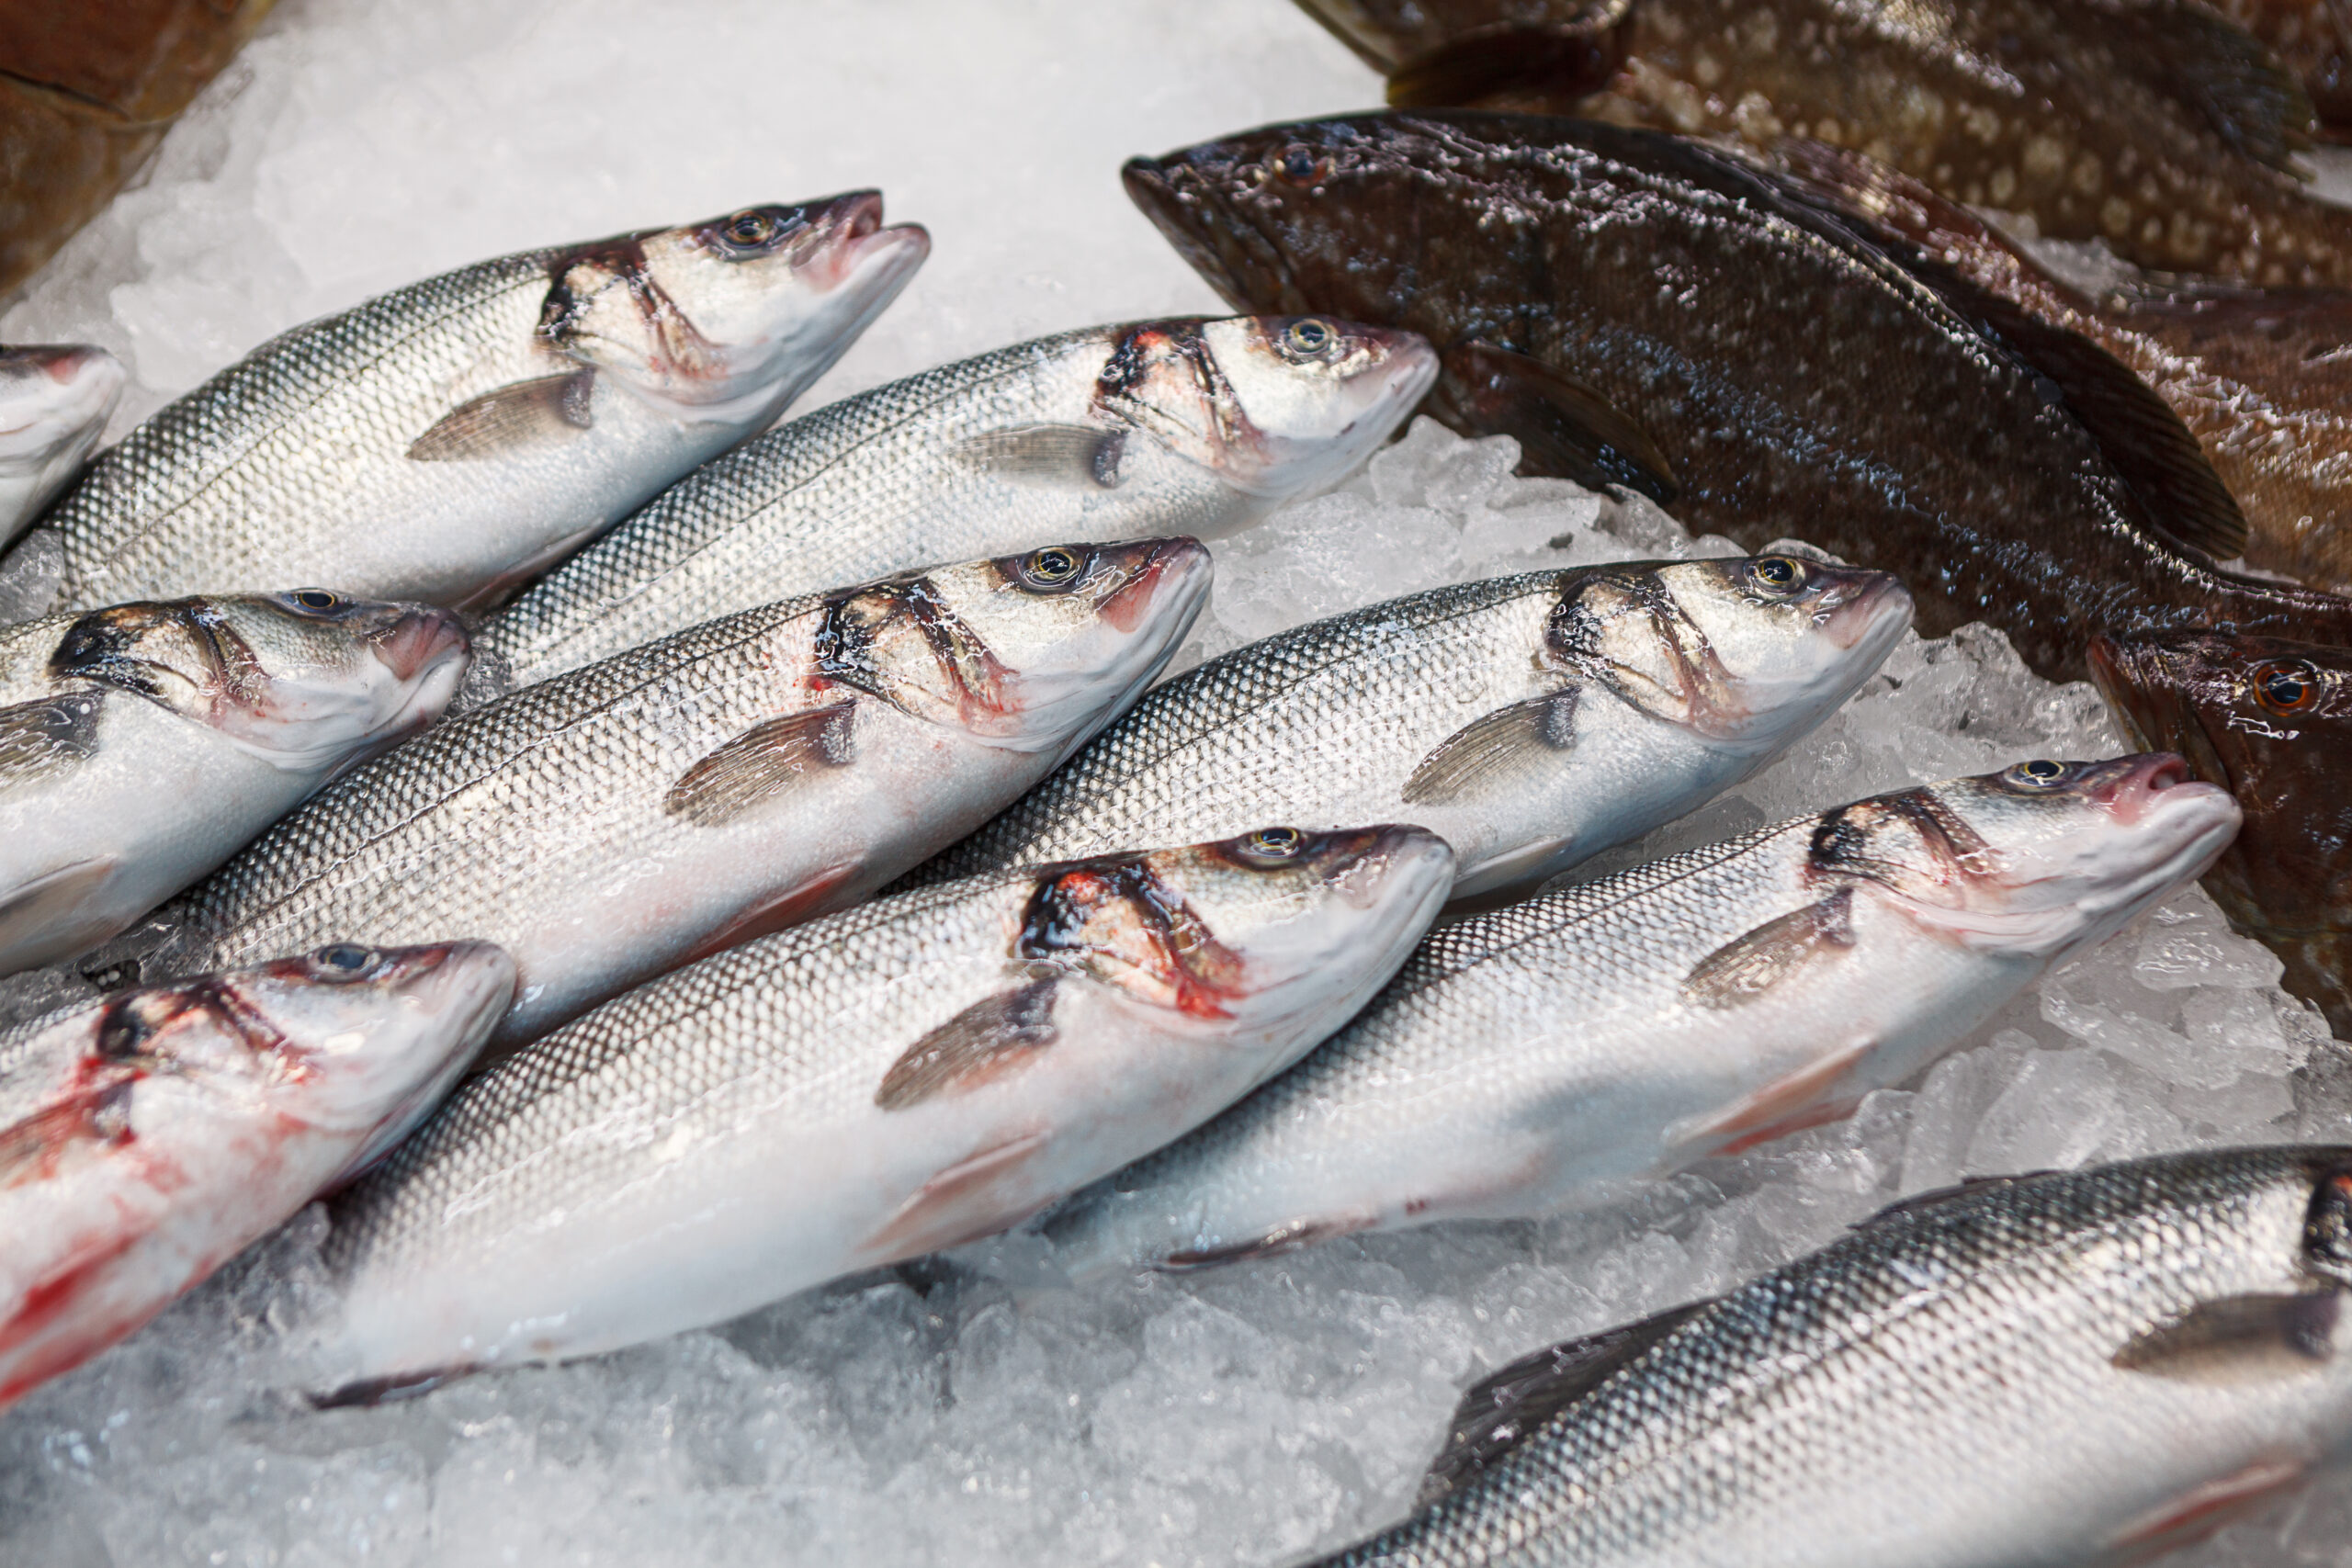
x=1860 y=607
x=2130 y=789
x=417 y=638
x=1367 y=865
x=847 y=241
x=1164 y=576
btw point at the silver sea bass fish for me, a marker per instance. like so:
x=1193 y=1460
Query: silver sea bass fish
x=1185 y=426
x=55 y=400
x=1530 y=721
x=147 y=1139
x=142 y=745
x=2087 y=1367
x=1525 y=1058
x=450 y=439
x=746 y=774
x=907 y=1075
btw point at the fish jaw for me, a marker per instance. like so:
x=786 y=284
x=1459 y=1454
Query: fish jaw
x=1309 y=416
x=1180 y=195
x=55 y=404
x=396 y=670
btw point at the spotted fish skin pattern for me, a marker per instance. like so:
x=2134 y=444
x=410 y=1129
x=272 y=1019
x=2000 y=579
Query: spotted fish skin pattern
x=2009 y=1374
x=1660 y=683
x=1796 y=378
x=2152 y=125
x=614 y=823
x=1067 y=438
x=1543 y=1054
x=918 y=1071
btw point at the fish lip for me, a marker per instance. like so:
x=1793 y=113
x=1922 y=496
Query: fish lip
x=1397 y=850
x=847 y=238
x=419 y=637
x=92 y=377
x=1865 y=612
x=2130 y=789
x=1175 y=568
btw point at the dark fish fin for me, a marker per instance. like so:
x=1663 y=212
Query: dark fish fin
x=972 y=1047
x=39 y=738
x=363 y=1391
x=1746 y=968
x=1049 y=454
x=1564 y=428
x=2238 y=1339
x=1495 y=748
x=2181 y=497
x=772 y=755
x=1513 y=1403
x=2260 y=108
x=1274 y=1243
x=498 y=422
x=1936 y=1197
x=1557 y=61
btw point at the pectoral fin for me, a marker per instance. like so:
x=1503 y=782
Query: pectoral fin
x=2239 y=1339
x=525 y=413
x=1554 y=63
x=985 y=1040
x=42 y=738
x=1564 y=428
x=1049 y=454
x=770 y=757
x=1273 y=1243
x=1515 y=1402
x=975 y=1197
x=1746 y=968
x=1496 y=751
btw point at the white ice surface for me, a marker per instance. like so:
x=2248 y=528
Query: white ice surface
x=977 y=1410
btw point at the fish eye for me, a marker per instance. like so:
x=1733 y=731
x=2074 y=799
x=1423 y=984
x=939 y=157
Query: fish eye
x=750 y=226
x=2039 y=775
x=1776 y=576
x=1271 y=846
x=1309 y=339
x=315 y=599
x=1050 y=568
x=2286 y=686
x=1302 y=165
x=342 y=961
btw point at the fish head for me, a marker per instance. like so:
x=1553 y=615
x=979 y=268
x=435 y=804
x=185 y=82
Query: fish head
x=1748 y=652
x=304 y=679
x=723 y=319
x=1257 y=931
x=336 y=1040
x=54 y=402
x=2037 y=860
x=2269 y=720
x=1273 y=405
x=1026 y=653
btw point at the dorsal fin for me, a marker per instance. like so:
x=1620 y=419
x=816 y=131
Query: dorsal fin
x=1513 y=1403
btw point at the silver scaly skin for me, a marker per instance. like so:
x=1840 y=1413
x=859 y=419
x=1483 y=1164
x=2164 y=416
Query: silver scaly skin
x=147 y=1139
x=1534 y=1056
x=1530 y=721
x=906 y=1076
x=142 y=745
x=2087 y=1367
x=754 y=771
x=1185 y=426
x=55 y=400
x=449 y=440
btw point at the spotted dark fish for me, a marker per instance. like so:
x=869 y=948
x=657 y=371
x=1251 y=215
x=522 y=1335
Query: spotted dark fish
x=1647 y=311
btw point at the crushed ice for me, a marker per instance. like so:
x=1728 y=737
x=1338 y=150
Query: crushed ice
x=978 y=1408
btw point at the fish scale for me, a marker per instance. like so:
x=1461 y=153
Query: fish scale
x=1939 y=1388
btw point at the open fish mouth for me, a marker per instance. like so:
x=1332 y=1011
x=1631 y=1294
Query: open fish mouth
x=848 y=238
x=422 y=636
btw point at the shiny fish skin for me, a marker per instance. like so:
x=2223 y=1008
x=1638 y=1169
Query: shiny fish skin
x=1623 y=1028
x=912 y=1074
x=2151 y=125
x=1181 y=426
x=1651 y=686
x=150 y=1137
x=142 y=745
x=55 y=400
x=620 y=821
x=447 y=440
x=1795 y=379
x=2270 y=721
x=1943 y=1388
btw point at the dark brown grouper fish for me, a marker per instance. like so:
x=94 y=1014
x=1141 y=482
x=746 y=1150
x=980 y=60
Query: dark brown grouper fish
x=1648 y=311
x=2263 y=377
x=2270 y=721
x=2154 y=124
x=2314 y=39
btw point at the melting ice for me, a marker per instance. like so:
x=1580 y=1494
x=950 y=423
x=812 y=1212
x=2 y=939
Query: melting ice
x=978 y=1408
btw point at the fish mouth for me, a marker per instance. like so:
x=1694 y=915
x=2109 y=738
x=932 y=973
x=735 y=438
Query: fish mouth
x=420 y=637
x=1178 y=570
x=848 y=244
x=2132 y=789
x=1865 y=609
x=1392 y=853
x=83 y=382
